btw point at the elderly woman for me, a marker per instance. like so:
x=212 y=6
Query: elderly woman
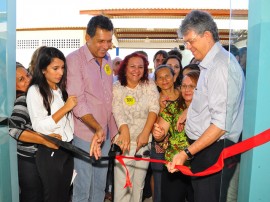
x=31 y=189
x=135 y=108
x=176 y=187
x=175 y=63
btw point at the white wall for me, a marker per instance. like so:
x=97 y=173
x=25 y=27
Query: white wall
x=29 y=41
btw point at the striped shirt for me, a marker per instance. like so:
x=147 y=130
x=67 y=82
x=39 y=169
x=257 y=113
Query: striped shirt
x=18 y=122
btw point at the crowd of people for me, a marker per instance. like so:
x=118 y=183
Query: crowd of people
x=184 y=115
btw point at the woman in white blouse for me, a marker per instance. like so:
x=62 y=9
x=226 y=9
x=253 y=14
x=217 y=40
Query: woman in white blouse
x=135 y=108
x=50 y=112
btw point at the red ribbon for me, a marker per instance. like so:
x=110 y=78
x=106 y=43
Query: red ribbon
x=227 y=152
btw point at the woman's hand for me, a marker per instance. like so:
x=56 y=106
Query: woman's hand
x=50 y=144
x=163 y=102
x=142 y=140
x=181 y=121
x=158 y=132
x=71 y=102
x=123 y=140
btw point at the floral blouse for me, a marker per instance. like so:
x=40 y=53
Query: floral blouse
x=177 y=140
x=131 y=106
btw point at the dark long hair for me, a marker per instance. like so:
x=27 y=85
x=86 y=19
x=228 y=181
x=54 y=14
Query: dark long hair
x=45 y=57
x=123 y=67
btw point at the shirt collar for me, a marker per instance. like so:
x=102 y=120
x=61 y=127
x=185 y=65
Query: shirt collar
x=89 y=55
x=210 y=55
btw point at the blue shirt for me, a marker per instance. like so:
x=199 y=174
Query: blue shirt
x=219 y=96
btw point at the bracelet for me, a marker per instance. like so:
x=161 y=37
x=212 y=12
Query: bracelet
x=190 y=156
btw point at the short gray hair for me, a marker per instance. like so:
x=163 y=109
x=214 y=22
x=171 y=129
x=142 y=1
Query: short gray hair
x=199 y=22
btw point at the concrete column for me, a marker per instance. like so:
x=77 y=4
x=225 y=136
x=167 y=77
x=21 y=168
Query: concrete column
x=9 y=190
x=254 y=183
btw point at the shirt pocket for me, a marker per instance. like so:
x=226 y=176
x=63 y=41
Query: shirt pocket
x=199 y=102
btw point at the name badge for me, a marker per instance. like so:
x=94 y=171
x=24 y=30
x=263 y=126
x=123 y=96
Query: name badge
x=108 y=69
x=129 y=100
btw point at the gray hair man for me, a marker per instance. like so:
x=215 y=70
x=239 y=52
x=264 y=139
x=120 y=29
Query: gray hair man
x=215 y=117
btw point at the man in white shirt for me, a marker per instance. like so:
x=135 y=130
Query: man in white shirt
x=215 y=116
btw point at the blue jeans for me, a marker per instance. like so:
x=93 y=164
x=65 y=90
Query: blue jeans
x=90 y=182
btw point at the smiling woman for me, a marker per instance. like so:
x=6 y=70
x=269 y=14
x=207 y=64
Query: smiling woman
x=23 y=78
x=168 y=140
x=20 y=128
x=50 y=111
x=135 y=108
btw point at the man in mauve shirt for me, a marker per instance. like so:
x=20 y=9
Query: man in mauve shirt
x=90 y=79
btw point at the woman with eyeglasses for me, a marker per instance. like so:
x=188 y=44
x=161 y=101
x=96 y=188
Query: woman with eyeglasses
x=175 y=187
x=50 y=109
x=135 y=108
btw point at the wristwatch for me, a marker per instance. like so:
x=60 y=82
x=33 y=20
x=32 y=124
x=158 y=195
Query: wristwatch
x=190 y=156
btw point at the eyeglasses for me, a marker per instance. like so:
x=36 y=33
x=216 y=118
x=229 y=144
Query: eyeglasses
x=189 y=42
x=187 y=87
x=144 y=152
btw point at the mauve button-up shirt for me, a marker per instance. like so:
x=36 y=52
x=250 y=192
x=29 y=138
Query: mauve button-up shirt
x=92 y=84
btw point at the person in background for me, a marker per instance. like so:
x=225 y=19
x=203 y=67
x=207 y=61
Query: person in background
x=135 y=108
x=215 y=115
x=20 y=128
x=33 y=61
x=233 y=186
x=142 y=53
x=176 y=187
x=158 y=59
x=116 y=64
x=50 y=109
x=233 y=50
x=176 y=52
x=90 y=79
x=243 y=58
x=148 y=190
x=190 y=67
x=194 y=61
x=175 y=62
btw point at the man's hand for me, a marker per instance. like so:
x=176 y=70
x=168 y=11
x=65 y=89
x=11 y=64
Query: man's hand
x=178 y=159
x=97 y=140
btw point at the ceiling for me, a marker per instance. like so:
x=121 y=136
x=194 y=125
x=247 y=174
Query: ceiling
x=154 y=30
